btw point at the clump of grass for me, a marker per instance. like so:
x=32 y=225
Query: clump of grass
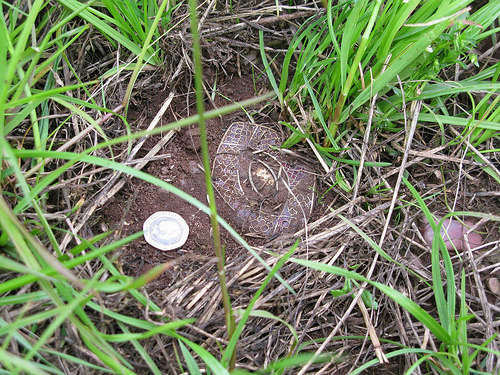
x=363 y=67
x=53 y=290
x=38 y=270
x=359 y=50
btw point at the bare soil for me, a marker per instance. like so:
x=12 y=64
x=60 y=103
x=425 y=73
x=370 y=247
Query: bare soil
x=182 y=167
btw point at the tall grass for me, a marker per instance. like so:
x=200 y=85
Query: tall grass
x=359 y=50
x=34 y=256
x=356 y=50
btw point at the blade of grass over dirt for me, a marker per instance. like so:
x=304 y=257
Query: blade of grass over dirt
x=200 y=108
x=269 y=72
x=330 y=135
x=167 y=328
x=208 y=358
x=190 y=361
x=453 y=120
x=12 y=362
x=81 y=298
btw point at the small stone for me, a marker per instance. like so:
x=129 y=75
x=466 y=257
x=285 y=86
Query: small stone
x=166 y=230
x=453 y=233
x=192 y=167
x=191 y=138
x=494 y=286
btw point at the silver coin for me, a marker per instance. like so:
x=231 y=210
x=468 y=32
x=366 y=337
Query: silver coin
x=166 y=230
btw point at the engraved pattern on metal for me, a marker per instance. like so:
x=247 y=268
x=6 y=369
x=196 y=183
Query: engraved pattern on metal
x=270 y=193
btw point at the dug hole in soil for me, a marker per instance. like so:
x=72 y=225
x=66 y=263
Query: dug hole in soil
x=181 y=167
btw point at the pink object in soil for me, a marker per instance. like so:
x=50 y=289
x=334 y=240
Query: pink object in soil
x=453 y=233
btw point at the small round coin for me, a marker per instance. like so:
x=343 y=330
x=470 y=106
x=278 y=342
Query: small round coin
x=166 y=230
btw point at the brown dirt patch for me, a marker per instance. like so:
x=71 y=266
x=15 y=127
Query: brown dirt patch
x=181 y=167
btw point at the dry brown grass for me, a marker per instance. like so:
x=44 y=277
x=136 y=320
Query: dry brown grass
x=379 y=204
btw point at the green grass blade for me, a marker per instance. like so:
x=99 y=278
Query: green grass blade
x=208 y=358
x=420 y=314
x=398 y=64
x=103 y=26
x=267 y=68
x=190 y=362
x=228 y=352
x=20 y=281
x=13 y=362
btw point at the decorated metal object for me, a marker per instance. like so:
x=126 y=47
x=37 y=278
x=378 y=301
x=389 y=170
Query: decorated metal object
x=270 y=192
